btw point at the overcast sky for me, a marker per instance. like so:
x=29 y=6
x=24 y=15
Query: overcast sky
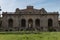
x=11 y=5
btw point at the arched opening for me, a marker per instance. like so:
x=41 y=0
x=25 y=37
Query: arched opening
x=37 y=24
x=50 y=24
x=23 y=23
x=30 y=23
x=10 y=23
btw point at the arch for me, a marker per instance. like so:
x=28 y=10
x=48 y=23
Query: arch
x=23 y=23
x=10 y=23
x=50 y=24
x=37 y=22
x=30 y=23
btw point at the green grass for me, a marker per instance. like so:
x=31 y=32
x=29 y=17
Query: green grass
x=41 y=36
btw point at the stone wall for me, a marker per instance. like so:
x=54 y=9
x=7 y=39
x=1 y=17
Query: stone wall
x=30 y=13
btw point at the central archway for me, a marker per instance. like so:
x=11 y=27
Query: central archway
x=30 y=23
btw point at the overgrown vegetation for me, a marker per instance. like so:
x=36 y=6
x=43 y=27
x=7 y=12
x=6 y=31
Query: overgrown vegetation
x=31 y=36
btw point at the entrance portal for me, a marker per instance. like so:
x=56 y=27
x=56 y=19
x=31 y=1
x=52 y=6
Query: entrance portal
x=30 y=25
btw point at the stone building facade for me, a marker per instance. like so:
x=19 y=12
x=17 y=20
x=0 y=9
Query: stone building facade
x=30 y=19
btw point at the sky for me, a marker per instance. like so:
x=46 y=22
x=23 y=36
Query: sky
x=11 y=5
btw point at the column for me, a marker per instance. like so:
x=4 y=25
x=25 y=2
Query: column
x=34 y=24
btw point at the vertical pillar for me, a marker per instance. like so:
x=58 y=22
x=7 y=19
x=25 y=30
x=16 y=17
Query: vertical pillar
x=19 y=24
x=34 y=24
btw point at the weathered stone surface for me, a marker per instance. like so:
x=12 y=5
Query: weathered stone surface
x=30 y=13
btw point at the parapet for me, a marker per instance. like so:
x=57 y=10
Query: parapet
x=29 y=7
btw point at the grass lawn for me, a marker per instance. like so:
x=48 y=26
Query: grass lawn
x=41 y=36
